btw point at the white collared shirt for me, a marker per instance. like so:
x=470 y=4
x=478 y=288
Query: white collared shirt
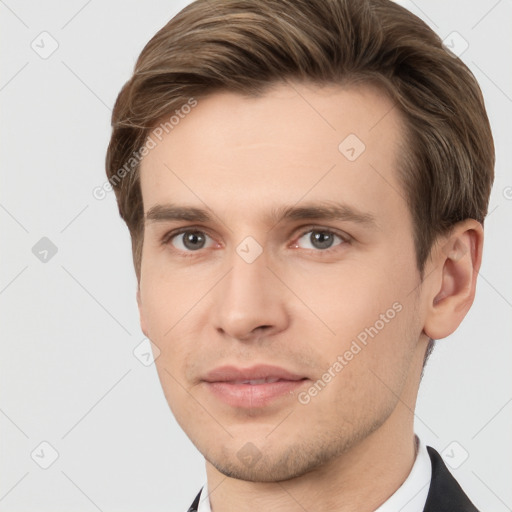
x=411 y=496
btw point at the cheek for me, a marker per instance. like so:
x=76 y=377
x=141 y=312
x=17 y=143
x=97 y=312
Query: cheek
x=367 y=315
x=165 y=298
x=351 y=297
x=169 y=310
x=370 y=363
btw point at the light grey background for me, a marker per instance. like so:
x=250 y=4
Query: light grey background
x=69 y=325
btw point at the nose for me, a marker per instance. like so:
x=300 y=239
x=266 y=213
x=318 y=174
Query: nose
x=250 y=301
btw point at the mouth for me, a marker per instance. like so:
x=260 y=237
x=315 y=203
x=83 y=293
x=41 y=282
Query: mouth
x=254 y=387
x=255 y=382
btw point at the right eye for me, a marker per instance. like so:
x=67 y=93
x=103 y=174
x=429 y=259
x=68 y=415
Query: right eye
x=190 y=240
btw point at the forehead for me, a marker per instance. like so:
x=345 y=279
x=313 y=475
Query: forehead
x=294 y=142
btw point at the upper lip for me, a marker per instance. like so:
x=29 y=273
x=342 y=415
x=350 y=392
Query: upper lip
x=261 y=371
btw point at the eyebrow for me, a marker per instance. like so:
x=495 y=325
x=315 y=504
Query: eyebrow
x=324 y=210
x=167 y=212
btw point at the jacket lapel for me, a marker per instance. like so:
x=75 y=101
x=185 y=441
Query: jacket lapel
x=445 y=494
x=195 y=504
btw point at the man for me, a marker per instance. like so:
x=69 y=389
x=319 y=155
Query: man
x=305 y=184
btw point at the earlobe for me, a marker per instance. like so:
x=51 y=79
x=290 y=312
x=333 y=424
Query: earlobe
x=456 y=263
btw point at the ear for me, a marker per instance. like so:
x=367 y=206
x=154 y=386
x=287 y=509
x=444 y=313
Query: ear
x=141 y=313
x=452 y=275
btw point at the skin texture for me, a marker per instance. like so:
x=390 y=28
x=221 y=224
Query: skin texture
x=296 y=306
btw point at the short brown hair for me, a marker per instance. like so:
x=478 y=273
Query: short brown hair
x=245 y=46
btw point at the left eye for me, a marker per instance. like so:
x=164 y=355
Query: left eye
x=319 y=239
x=191 y=240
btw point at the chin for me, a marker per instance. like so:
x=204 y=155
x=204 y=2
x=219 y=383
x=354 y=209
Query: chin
x=271 y=464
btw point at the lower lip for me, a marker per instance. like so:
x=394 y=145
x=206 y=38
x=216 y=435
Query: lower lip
x=253 y=395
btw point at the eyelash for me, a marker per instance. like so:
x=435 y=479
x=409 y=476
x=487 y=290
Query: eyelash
x=168 y=237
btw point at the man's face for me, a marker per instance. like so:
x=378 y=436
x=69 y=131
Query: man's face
x=245 y=263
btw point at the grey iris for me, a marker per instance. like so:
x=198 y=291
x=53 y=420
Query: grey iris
x=193 y=240
x=321 y=240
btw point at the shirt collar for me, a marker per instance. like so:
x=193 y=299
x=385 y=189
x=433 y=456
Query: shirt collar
x=411 y=496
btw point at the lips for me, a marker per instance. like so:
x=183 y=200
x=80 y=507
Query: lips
x=254 y=387
x=255 y=375
x=254 y=382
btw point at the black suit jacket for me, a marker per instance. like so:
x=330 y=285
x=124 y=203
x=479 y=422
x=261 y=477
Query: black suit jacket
x=444 y=495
